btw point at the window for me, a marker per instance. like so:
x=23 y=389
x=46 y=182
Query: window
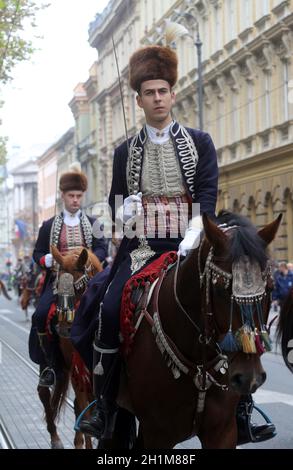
x=263 y=8
x=286 y=90
x=246 y=15
x=232 y=19
x=267 y=100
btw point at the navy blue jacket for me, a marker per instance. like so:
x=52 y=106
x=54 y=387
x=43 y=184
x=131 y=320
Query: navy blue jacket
x=205 y=183
x=42 y=247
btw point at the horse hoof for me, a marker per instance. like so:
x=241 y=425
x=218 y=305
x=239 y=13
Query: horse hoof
x=57 y=445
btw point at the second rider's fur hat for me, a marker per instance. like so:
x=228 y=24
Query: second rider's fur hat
x=73 y=180
x=152 y=63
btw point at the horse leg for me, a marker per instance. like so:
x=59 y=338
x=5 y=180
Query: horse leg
x=78 y=437
x=81 y=401
x=227 y=439
x=45 y=397
x=124 y=436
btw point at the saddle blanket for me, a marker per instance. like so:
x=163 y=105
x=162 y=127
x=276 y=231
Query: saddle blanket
x=149 y=274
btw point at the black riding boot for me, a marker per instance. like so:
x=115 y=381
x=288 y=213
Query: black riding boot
x=248 y=432
x=106 y=377
x=48 y=375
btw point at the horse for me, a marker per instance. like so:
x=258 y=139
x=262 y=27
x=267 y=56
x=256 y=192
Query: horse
x=285 y=330
x=198 y=344
x=3 y=290
x=32 y=289
x=81 y=264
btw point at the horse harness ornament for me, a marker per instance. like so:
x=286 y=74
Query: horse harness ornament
x=248 y=291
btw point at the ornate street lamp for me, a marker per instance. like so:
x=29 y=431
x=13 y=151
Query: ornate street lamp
x=198 y=44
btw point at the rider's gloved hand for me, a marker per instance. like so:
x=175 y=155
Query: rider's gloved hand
x=132 y=206
x=191 y=238
x=49 y=260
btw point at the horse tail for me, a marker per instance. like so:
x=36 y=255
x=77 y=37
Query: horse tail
x=3 y=289
x=285 y=328
x=61 y=388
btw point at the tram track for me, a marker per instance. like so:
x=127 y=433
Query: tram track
x=6 y=441
x=68 y=401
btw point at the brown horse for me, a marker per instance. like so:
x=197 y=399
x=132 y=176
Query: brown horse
x=285 y=330
x=31 y=292
x=3 y=290
x=82 y=264
x=180 y=381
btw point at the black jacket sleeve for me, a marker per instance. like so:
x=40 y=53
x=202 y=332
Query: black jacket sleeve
x=119 y=183
x=42 y=244
x=206 y=177
x=100 y=248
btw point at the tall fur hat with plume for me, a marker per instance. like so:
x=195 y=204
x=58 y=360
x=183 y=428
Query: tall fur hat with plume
x=152 y=63
x=156 y=62
x=74 y=179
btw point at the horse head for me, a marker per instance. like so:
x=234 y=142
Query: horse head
x=81 y=263
x=236 y=283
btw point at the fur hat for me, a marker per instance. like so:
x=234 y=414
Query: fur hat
x=152 y=63
x=73 y=180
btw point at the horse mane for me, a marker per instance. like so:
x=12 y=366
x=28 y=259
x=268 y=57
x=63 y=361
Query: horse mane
x=245 y=241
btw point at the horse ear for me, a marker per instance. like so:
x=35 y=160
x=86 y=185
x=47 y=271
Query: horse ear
x=56 y=254
x=215 y=236
x=82 y=259
x=268 y=232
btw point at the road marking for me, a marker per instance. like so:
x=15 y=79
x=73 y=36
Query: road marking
x=5 y=310
x=269 y=396
x=14 y=324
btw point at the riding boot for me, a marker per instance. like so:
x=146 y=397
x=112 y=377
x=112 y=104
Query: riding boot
x=48 y=375
x=106 y=377
x=247 y=431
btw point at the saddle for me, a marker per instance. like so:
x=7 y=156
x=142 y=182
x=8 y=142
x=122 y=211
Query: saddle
x=137 y=294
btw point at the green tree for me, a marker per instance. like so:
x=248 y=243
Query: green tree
x=15 y=15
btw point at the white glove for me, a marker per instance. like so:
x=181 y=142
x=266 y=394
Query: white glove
x=49 y=260
x=191 y=238
x=132 y=206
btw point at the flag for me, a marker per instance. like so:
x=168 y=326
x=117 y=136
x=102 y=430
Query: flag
x=20 y=229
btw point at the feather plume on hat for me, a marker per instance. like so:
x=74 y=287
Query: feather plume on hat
x=74 y=179
x=174 y=31
x=157 y=62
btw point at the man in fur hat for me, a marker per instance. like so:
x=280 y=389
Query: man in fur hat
x=165 y=161
x=71 y=229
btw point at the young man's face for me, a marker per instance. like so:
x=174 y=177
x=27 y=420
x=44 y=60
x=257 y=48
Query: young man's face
x=72 y=200
x=156 y=99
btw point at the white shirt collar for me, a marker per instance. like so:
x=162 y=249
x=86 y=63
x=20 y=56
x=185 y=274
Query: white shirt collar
x=71 y=219
x=158 y=136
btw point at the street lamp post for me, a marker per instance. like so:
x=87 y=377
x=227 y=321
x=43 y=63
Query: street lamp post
x=198 y=44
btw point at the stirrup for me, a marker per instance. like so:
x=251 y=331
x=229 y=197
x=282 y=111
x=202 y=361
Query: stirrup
x=47 y=385
x=270 y=427
x=80 y=417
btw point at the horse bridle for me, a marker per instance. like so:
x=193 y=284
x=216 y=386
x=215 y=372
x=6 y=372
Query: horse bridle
x=83 y=280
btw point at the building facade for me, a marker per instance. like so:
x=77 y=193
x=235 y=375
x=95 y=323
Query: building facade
x=25 y=208
x=83 y=106
x=51 y=164
x=248 y=104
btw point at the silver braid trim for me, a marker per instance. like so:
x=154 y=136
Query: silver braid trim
x=87 y=230
x=188 y=155
x=135 y=161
